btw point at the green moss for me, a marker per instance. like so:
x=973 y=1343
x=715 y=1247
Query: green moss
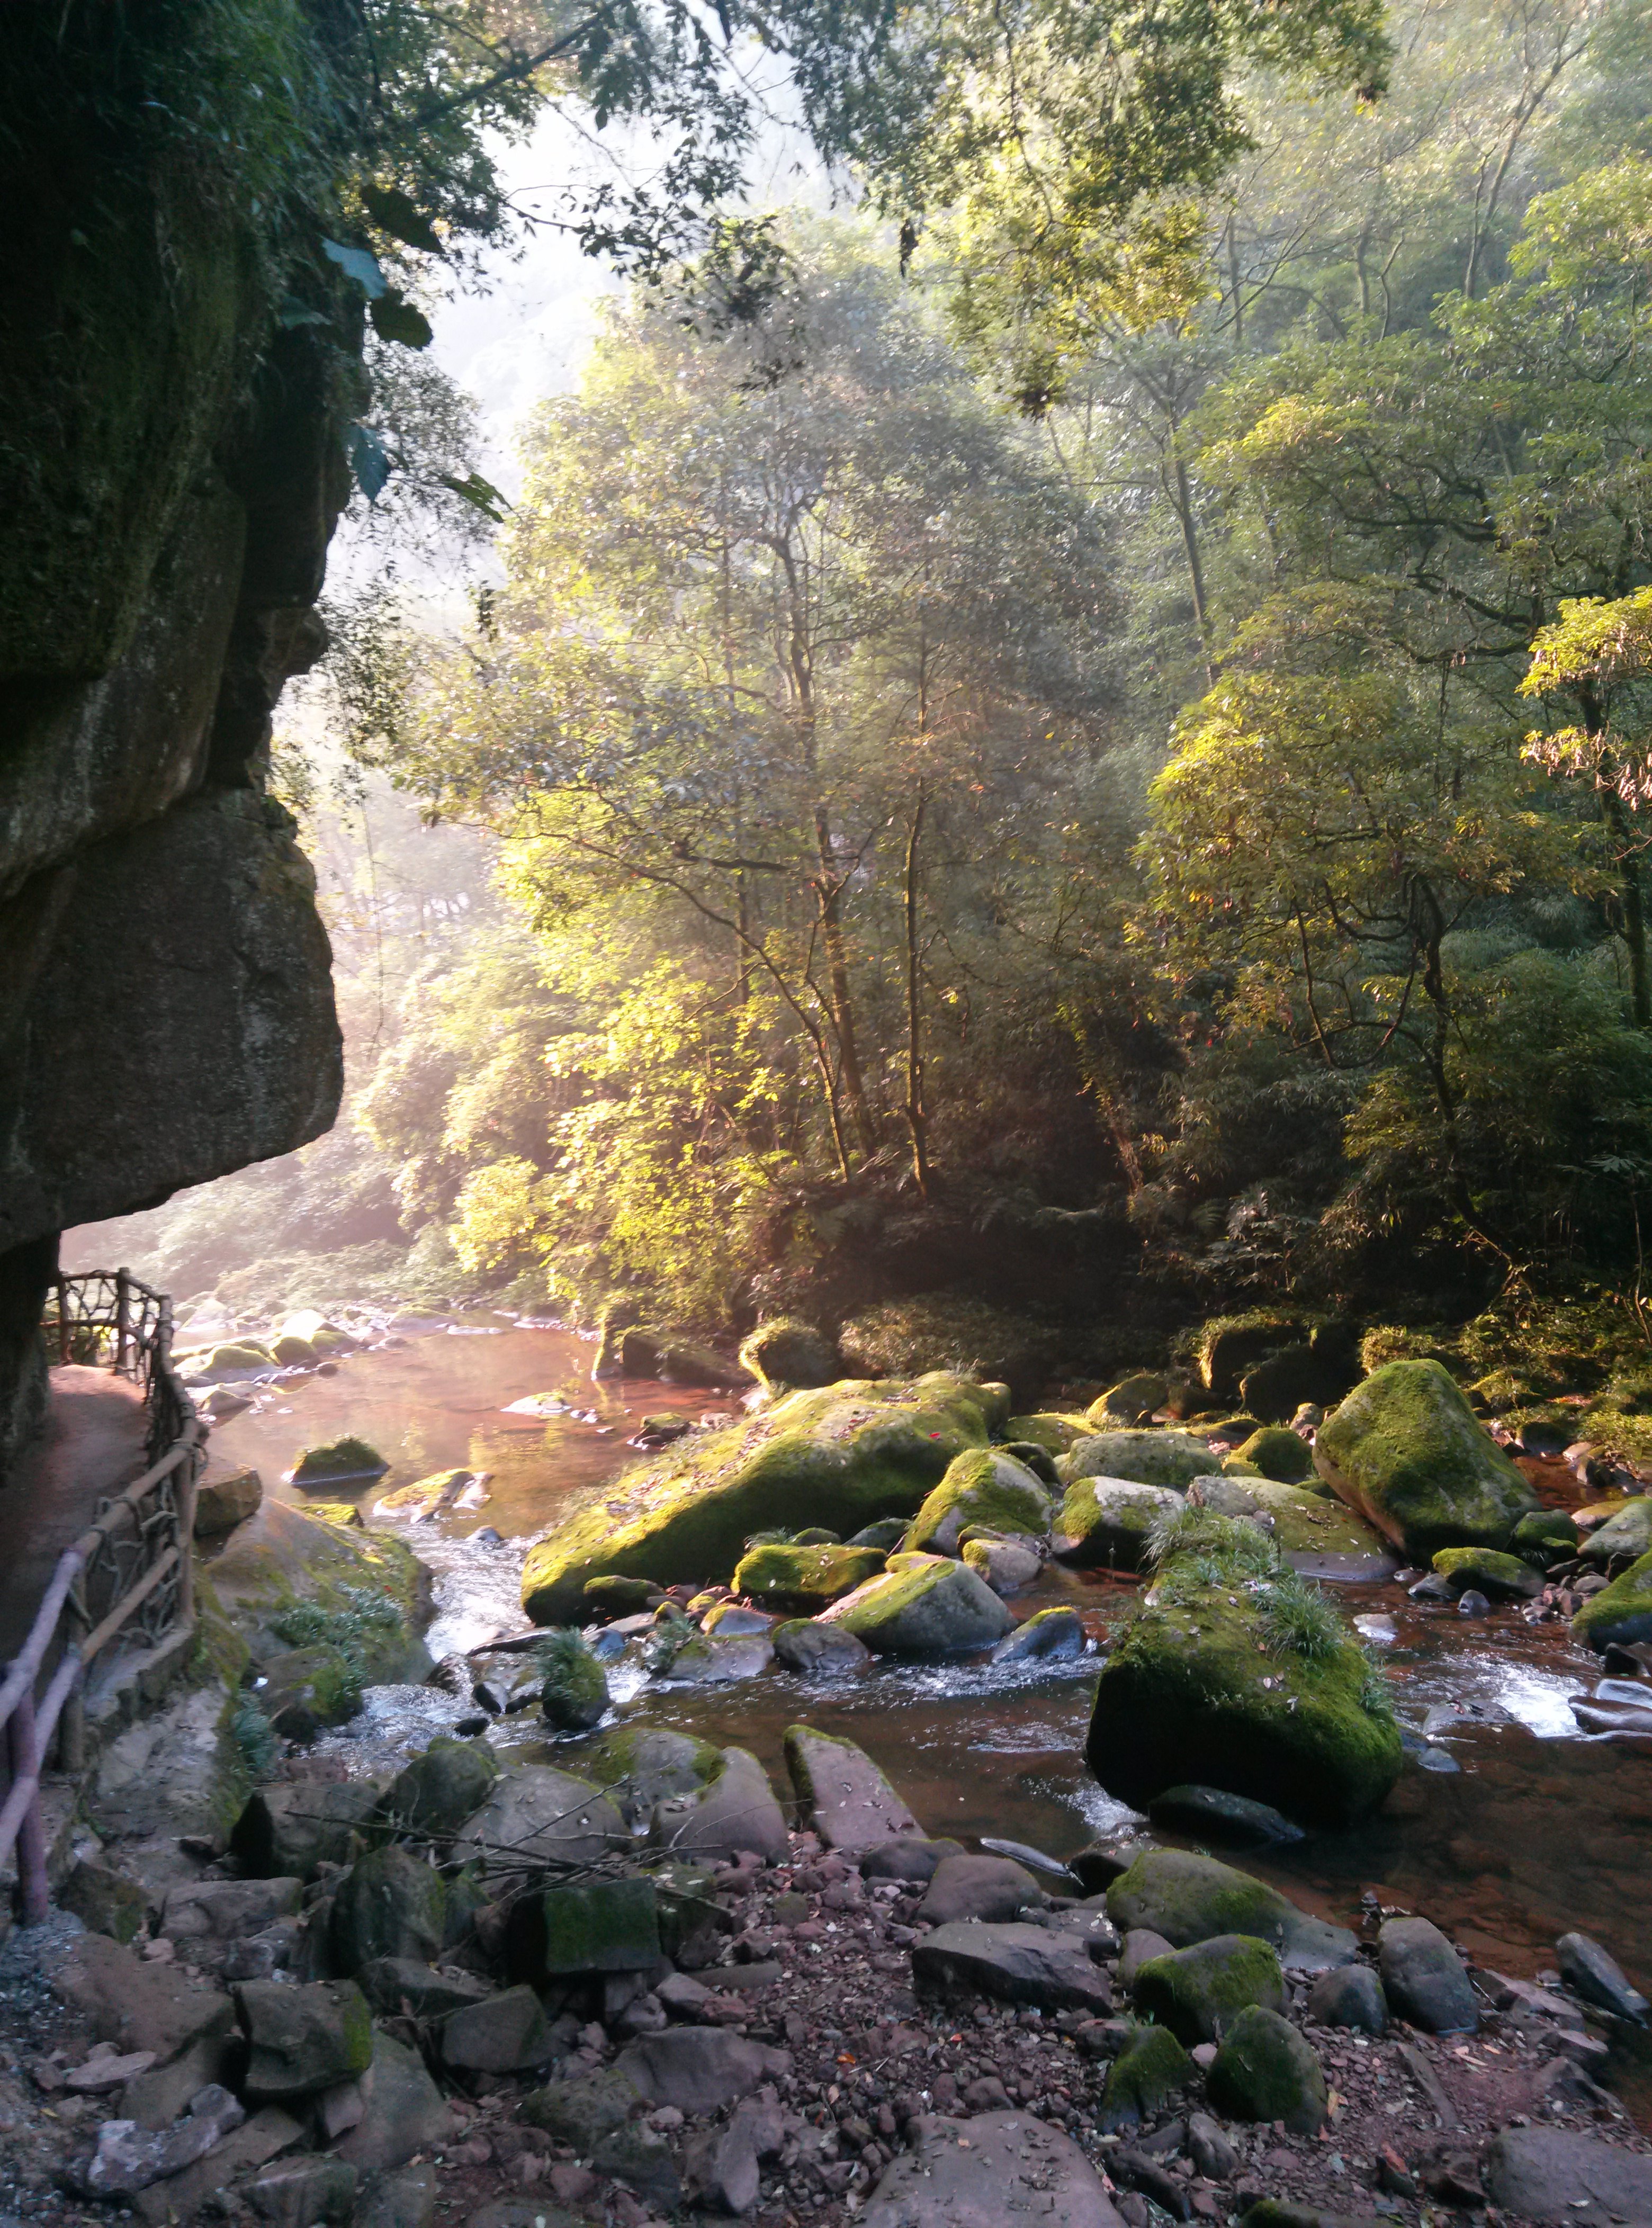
x=439 y=1790
x=1110 y=1521
x=1406 y=1449
x=1265 y=2071
x=804 y=1579
x=1129 y=1401
x=1483 y=1568
x=984 y=1488
x=1055 y=1433
x=1152 y=1457
x=335 y=1512
x=345 y=1457
x=1197 y=1993
x=1309 y=1523
x=929 y=1607
x=1621 y=1611
x=844 y=1456
x=1546 y=1536
x=1149 y=2071
x=1279 y=1454
x=786 y=1355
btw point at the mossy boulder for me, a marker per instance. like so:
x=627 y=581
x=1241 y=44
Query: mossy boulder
x=1620 y=1613
x=843 y=1455
x=595 y=1926
x=1148 y=2071
x=318 y=1332
x=282 y=1560
x=1199 y=1688
x=1198 y=1992
x=338 y=1458
x=1314 y=1526
x=1548 y=1535
x=666 y=1356
x=1130 y=1402
x=1282 y=1455
x=1622 y=1538
x=1187 y=1897
x=439 y=1790
x=1230 y=1346
x=985 y=1488
x=1408 y=1452
x=389 y=1903
x=1104 y=1522
x=1156 y=1457
x=804 y=1579
x=574 y=1691
x=1056 y=1434
x=610 y=1596
x=789 y=1356
x=1501 y=1578
x=1265 y=2069
x=641 y=1765
x=952 y=1332
x=294 y=1352
x=236 y=1358
x=936 y=1609
x=307 y=1689
x=424 y=1496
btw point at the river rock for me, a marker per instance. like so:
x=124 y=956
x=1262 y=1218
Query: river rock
x=395 y=1985
x=722 y=2165
x=938 y=1609
x=337 y=1460
x=735 y=1810
x=678 y=1652
x=1620 y=1614
x=698 y=2069
x=1406 y=1450
x=909 y=1856
x=585 y=1926
x=985 y=1488
x=1423 y=1977
x=507 y=2033
x=1592 y=1973
x=389 y=1903
x=1146 y=2070
x=1265 y=2071
x=1214 y=1813
x=1104 y=1522
x=804 y=1579
x=1278 y=1453
x=129 y=2158
x=228 y=1493
x=817 y=1650
x=1315 y=1532
x=402 y=2111
x=789 y=1356
x=439 y=1790
x=989 y=1888
x=1049 y=1633
x=983 y=2172
x=1138 y=1948
x=840 y=1457
x=1349 y=1997
x=1012 y=1964
x=1131 y=1402
x=573 y=1692
x=1190 y=1899
x=535 y=1816
x=729 y=1618
x=303 y=2039
x=1162 y=1459
x=1199 y=1992
x=1622 y=1538
x=1008 y=1566
x=1552 y=2174
x=293 y=1830
x=841 y=1795
x=1501 y=1578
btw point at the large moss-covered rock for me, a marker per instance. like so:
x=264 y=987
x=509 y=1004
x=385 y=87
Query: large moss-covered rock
x=439 y=1790
x=1203 y=1687
x=1317 y=1529
x=535 y=1816
x=935 y=1609
x=1501 y=1578
x=985 y=1488
x=804 y=1579
x=1131 y=1402
x=1198 y=1992
x=1620 y=1613
x=1146 y=2072
x=1172 y=1458
x=1265 y=2071
x=284 y=1559
x=1057 y=1434
x=1406 y=1450
x=641 y=1765
x=389 y=1903
x=789 y=1356
x=347 y=1457
x=841 y=1457
x=1279 y=1454
x=1186 y=1899
x=1105 y=1521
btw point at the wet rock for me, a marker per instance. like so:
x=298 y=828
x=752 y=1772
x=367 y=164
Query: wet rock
x=987 y=1888
x=438 y=1791
x=1012 y=1964
x=736 y=1810
x=1189 y=1898
x=1213 y=1813
x=1548 y=1535
x=1051 y=1633
x=1099 y=1864
x=1501 y=1578
x=1140 y=1947
x=594 y=1926
x=573 y=1692
x=402 y=2110
x=803 y=1579
x=581 y=2112
x=1552 y=2174
x=536 y=1815
x=611 y=1595
x=1199 y=1992
x=939 y=1609
x=1423 y=1977
x=339 y=1458
x=1472 y=1603
x=1149 y=2069
x=1406 y=1450
x=728 y=1618
x=1622 y=1538
x=983 y=2172
x=986 y=1488
x=1105 y=1521
x=129 y=2158
x=640 y=1766
x=1265 y=2071
x=301 y=2040
x=681 y=1654
x=1590 y=1972
x=1008 y=1566
x=1621 y=1614
x=395 y=1985
x=304 y=2194
x=818 y=1650
x=389 y=1903
x=291 y=1830
x=508 y=2033
x=226 y=1496
x=907 y=1857
x=137 y=2005
x=105 y=1901
x=698 y=2069
x=1172 y=1459
x=1349 y=1997
x=841 y=1795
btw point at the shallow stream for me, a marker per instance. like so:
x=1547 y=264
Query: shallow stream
x=1538 y=1830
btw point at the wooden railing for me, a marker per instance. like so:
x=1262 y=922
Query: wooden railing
x=129 y=1575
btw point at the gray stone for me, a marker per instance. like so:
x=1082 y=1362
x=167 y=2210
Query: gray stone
x=136 y=2004
x=983 y=2172
x=304 y=2194
x=643 y=2160
x=1265 y=2071
x=389 y=1903
x=1590 y=1973
x=990 y=1888
x=698 y=2069
x=536 y=1815
x=129 y=2158
x=1140 y=1947
x=907 y=1857
x=403 y=2199
x=735 y=1810
x=817 y=1650
x=173 y=1772
x=300 y=2040
x=403 y=2112
x=227 y=1494
x=1052 y=1633
x=399 y=1984
x=508 y=2033
x=1214 y=1814
x=722 y=2165
x=224 y=1911
x=181 y=2196
x=1187 y=1898
x=1208 y=2148
x=938 y=1609
x=841 y=1795
x=1552 y=2174
x=293 y=1830
x=581 y=2112
x=1423 y=1977
x=439 y=1790
x=1349 y=1997
x=1012 y=1964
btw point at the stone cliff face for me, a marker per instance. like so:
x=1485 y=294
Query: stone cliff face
x=171 y=473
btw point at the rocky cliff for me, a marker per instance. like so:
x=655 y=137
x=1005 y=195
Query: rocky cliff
x=170 y=472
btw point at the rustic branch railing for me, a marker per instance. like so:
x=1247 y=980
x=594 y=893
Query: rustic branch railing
x=130 y=1572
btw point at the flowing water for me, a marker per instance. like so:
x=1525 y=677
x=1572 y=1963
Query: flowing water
x=1536 y=1830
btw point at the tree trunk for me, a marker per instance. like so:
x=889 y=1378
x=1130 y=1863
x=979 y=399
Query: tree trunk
x=917 y=1118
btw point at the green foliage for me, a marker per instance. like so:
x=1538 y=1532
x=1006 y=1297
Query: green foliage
x=1296 y=1618
x=254 y=1738
x=367 y=1616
